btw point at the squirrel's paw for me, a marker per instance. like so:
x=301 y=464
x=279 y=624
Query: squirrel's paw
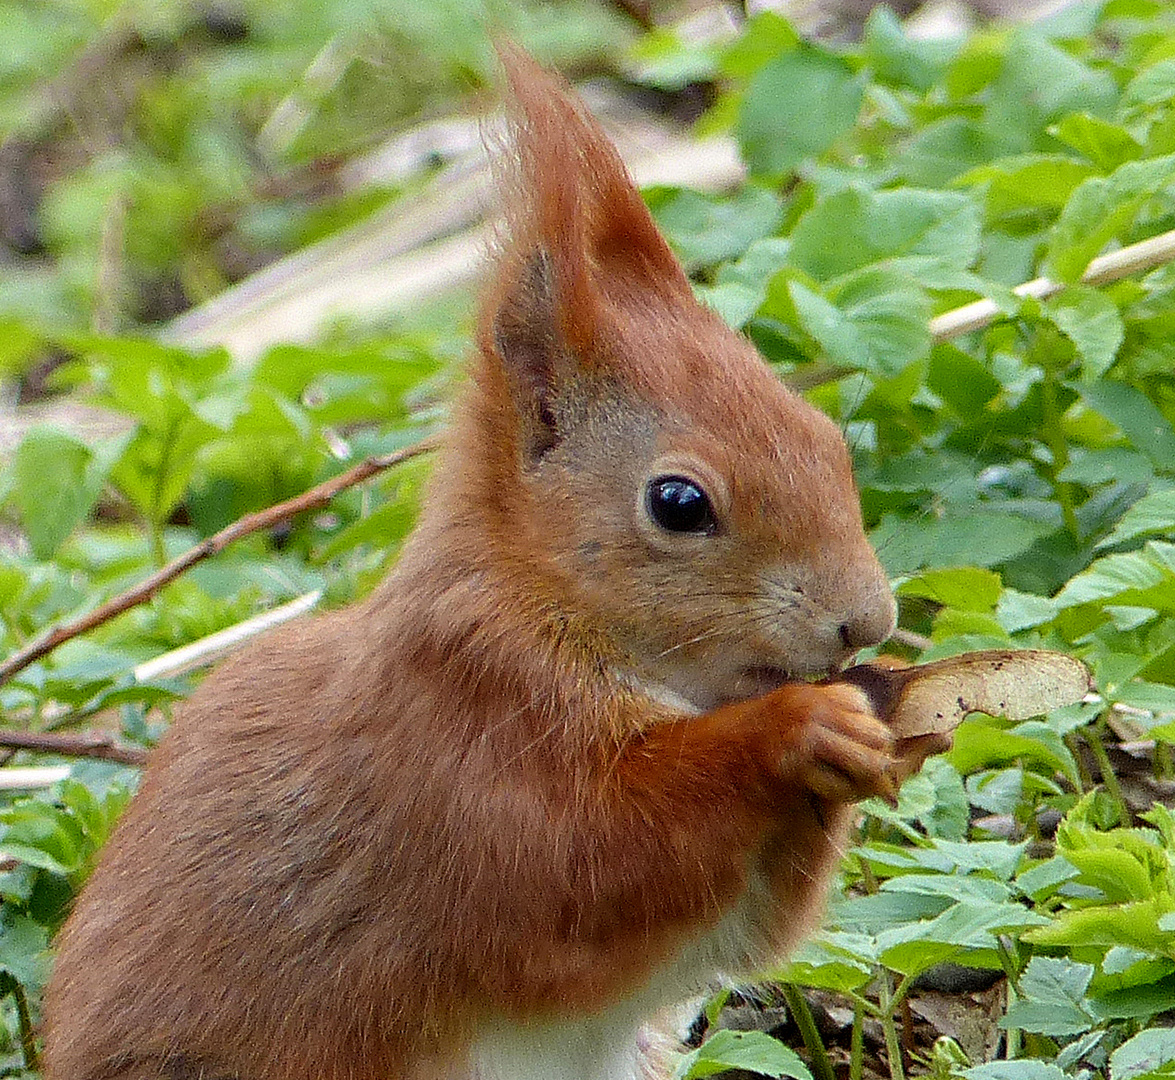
x=847 y=751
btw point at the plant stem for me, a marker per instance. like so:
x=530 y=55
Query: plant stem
x=1054 y=434
x=28 y=1034
x=1083 y=774
x=893 y=1045
x=1008 y=962
x=1012 y=1038
x=857 y=1043
x=1164 y=770
x=821 y=1065
x=1094 y=740
x=158 y=547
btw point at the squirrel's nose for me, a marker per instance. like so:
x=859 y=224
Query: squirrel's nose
x=871 y=624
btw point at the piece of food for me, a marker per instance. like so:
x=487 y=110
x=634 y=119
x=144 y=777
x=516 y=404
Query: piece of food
x=931 y=699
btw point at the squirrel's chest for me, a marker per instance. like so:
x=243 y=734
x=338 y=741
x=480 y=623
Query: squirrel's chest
x=602 y=1047
x=617 y=1043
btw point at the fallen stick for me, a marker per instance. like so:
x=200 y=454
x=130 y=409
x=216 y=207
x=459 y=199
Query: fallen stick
x=146 y=589
x=1135 y=259
x=28 y=779
x=101 y=746
x=213 y=647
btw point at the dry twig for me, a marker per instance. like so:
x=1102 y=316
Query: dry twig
x=1135 y=259
x=250 y=523
x=102 y=746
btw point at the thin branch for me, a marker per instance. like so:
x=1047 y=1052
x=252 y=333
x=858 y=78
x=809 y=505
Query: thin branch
x=150 y=586
x=102 y=746
x=213 y=647
x=1135 y=259
x=29 y=779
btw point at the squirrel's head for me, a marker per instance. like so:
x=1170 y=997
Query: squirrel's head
x=638 y=456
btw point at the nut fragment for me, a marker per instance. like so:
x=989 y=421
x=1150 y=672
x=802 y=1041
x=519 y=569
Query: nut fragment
x=931 y=699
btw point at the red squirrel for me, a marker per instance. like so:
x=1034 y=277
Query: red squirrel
x=565 y=765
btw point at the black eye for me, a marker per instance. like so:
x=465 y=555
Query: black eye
x=679 y=505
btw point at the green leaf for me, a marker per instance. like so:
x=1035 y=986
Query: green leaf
x=1135 y=415
x=752 y=1051
x=1040 y=881
x=1135 y=925
x=1106 y=145
x=1089 y=319
x=963 y=383
x=959 y=887
x=1051 y=1019
x=766 y=36
x=883 y=911
x=915 y=947
x=1115 y=463
x=1138 y=1002
x=1020 y=1069
x=876 y=322
x=1154 y=85
x=667 y=61
x=1055 y=981
x=936 y=154
x=1149 y=1053
x=966 y=588
x=1099 y=210
x=1038 y=82
x=54 y=487
x=981 y=743
x=24 y=950
x=33 y=856
x=1141 y=578
x=795 y=108
x=993 y=857
x=982 y=539
x=855 y=228
x=1027 y=182
x=826 y=962
x=1018 y=611
x=734 y=302
x=706 y=229
x=898 y=58
x=1153 y=514
x=949 y=813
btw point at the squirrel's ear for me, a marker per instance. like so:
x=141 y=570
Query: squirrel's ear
x=526 y=339
x=578 y=238
x=567 y=194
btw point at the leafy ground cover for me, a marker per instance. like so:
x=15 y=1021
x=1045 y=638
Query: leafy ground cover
x=1018 y=479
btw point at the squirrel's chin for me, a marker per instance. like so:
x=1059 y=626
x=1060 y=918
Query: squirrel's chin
x=761 y=679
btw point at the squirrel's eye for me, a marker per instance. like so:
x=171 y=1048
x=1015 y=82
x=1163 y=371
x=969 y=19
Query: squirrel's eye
x=679 y=505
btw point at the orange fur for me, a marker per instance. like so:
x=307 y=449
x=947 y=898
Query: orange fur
x=556 y=763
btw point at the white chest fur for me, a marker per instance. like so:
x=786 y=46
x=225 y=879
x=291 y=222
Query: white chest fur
x=602 y=1047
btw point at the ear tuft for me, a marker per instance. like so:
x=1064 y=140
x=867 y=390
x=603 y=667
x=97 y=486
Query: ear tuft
x=568 y=194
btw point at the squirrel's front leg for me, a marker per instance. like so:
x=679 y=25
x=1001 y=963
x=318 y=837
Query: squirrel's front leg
x=820 y=749
x=676 y=826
